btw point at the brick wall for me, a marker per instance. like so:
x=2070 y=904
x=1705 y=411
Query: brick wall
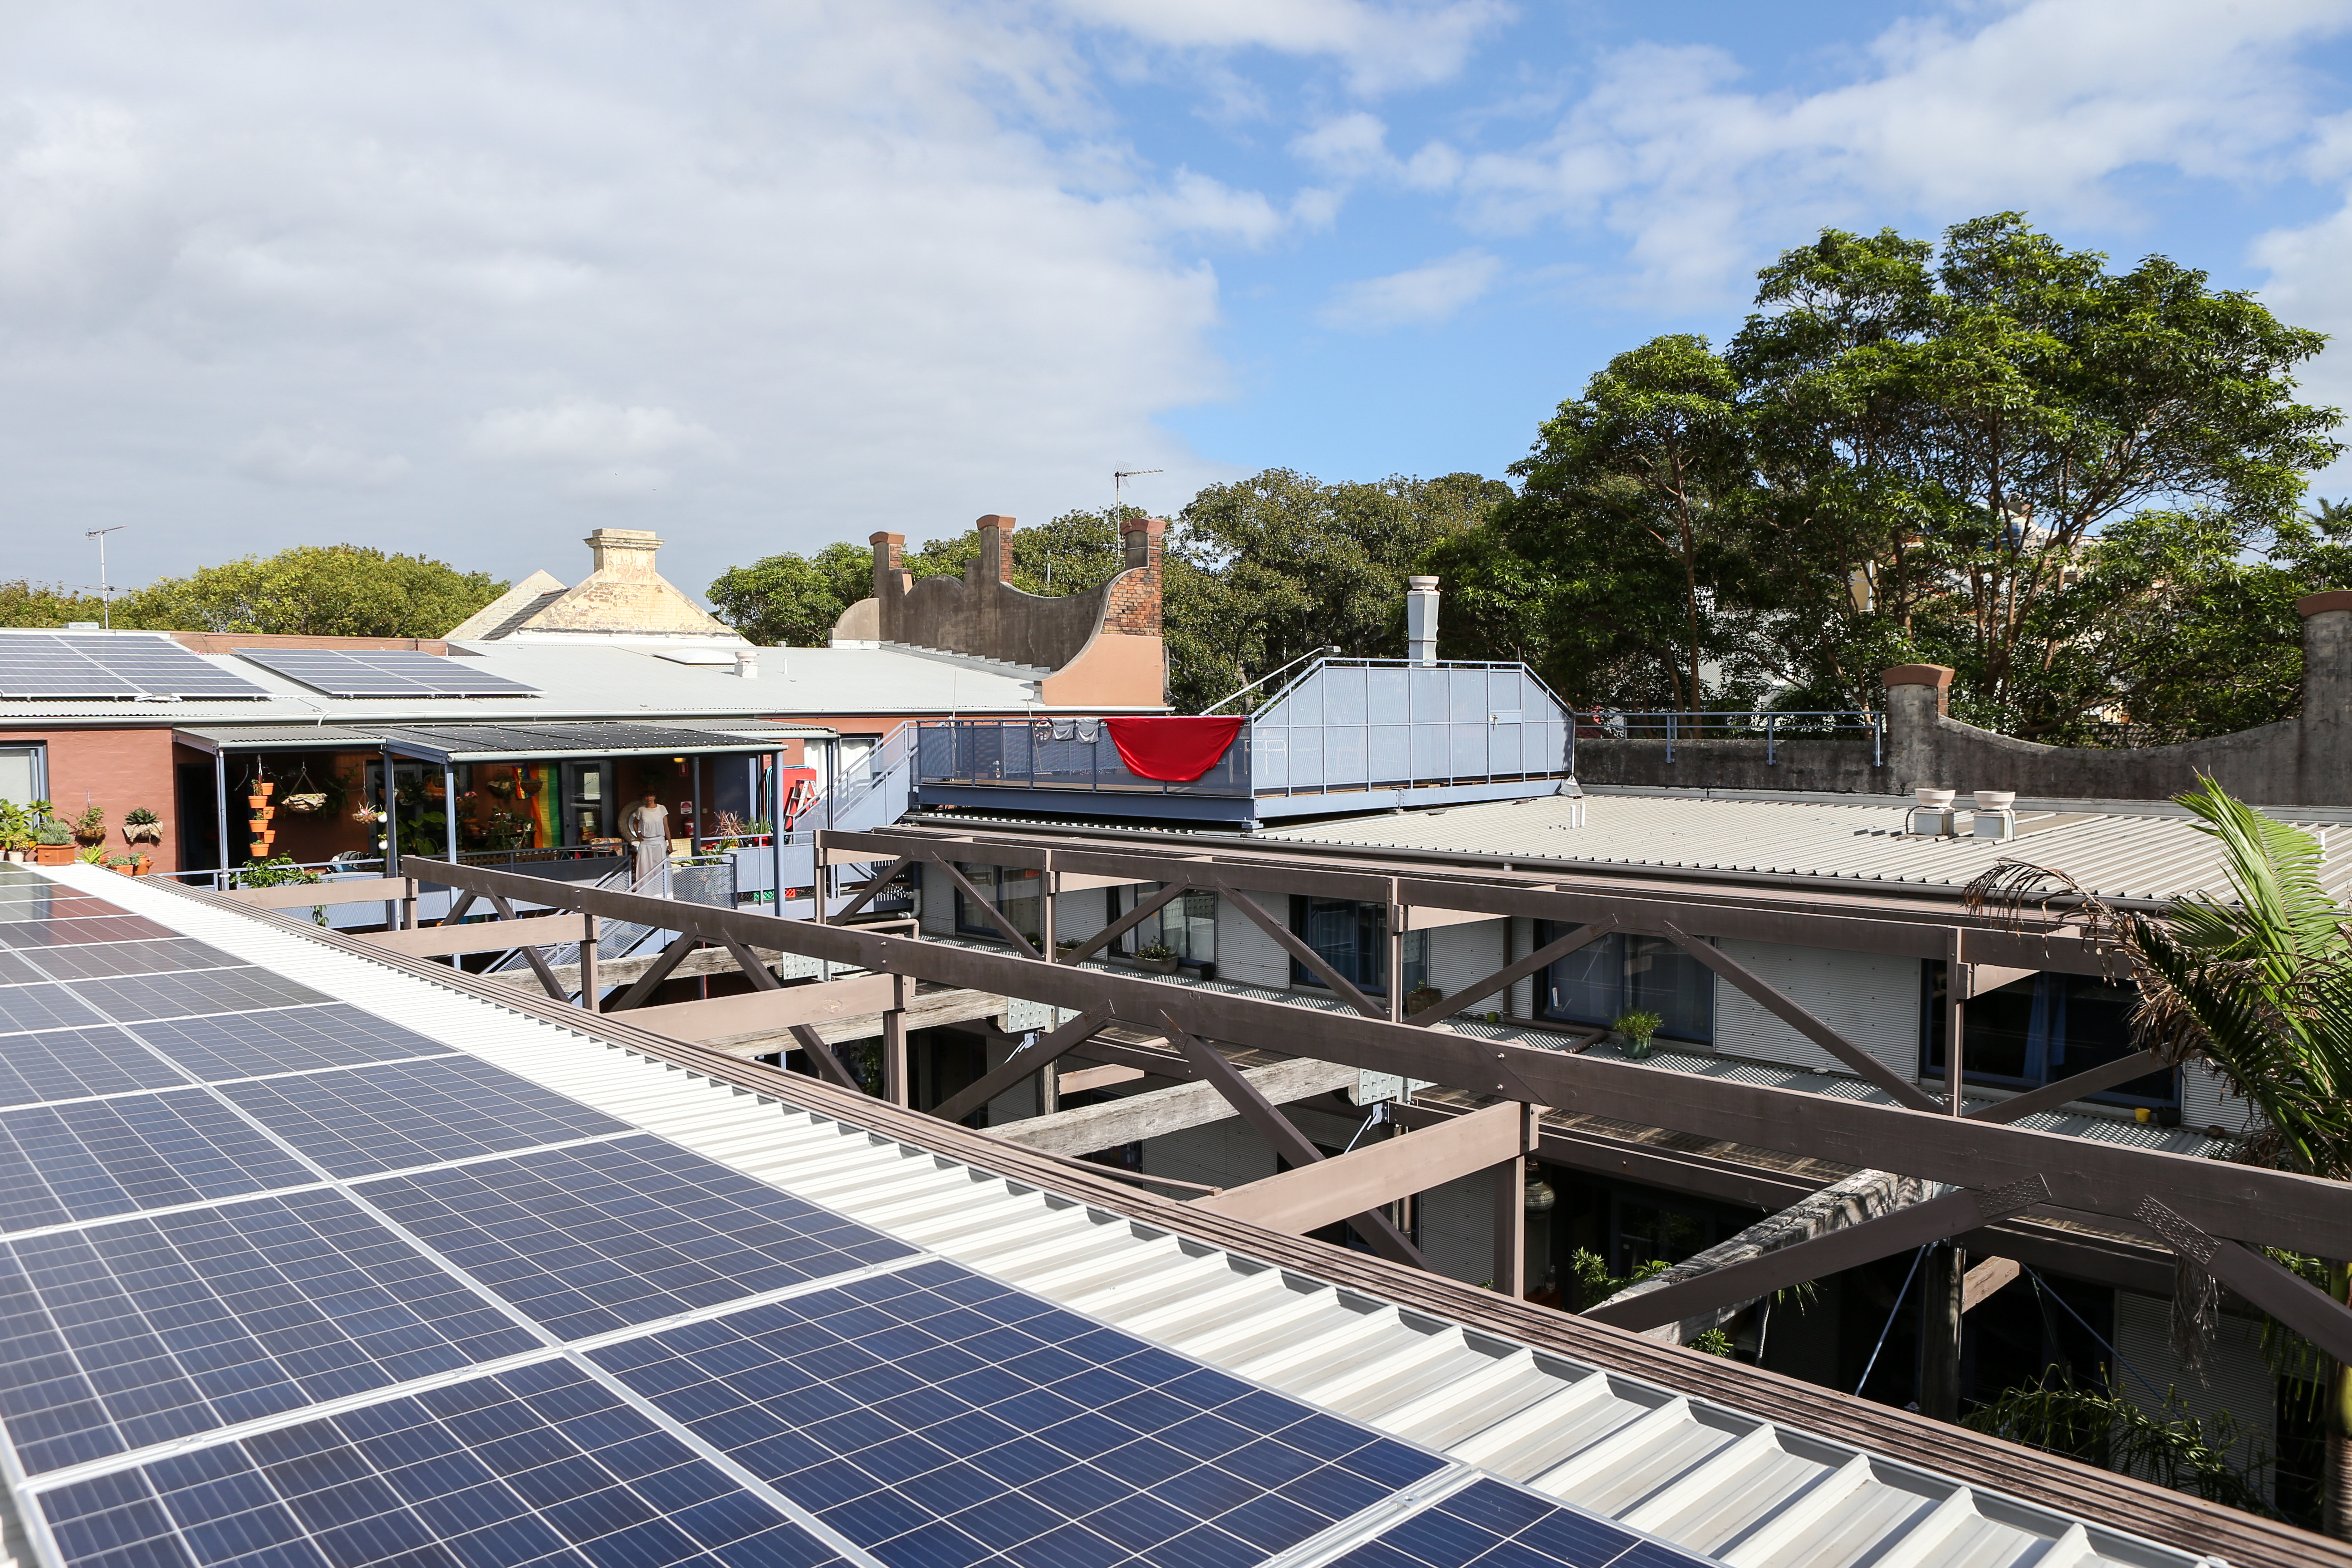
x=114 y=770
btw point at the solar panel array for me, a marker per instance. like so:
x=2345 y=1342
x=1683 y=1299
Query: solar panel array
x=387 y=673
x=117 y=666
x=283 y=1283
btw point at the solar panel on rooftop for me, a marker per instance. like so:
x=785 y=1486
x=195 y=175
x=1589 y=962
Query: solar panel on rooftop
x=163 y=956
x=127 y=997
x=359 y=1121
x=99 y=1157
x=295 y=1039
x=76 y=1064
x=538 y=1465
x=387 y=673
x=113 y=665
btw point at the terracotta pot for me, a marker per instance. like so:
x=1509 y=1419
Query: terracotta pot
x=124 y=870
x=266 y=787
x=257 y=802
x=261 y=851
x=142 y=868
x=53 y=854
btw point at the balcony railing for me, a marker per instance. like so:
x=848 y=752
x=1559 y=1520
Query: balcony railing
x=1770 y=727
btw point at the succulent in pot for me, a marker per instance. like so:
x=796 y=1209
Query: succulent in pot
x=141 y=826
x=52 y=845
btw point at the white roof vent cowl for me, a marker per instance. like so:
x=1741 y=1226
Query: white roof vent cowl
x=747 y=662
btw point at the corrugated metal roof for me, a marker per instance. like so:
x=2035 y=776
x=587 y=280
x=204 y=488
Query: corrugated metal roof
x=1744 y=1490
x=2118 y=854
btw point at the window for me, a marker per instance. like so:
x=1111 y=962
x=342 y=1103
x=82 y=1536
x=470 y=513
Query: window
x=1016 y=893
x=1187 y=926
x=2041 y=1030
x=1620 y=973
x=1353 y=938
x=23 y=777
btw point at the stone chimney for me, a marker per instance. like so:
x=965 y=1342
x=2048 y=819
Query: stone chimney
x=889 y=564
x=2325 y=762
x=995 y=564
x=1421 y=620
x=624 y=555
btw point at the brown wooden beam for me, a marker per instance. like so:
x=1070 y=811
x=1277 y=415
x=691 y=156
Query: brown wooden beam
x=1289 y=942
x=865 y=894
x=1157 y=1112
x=1022 y=1063
x=1502 y=979
x=1324 y=1191
x=1102 y=1075
x=1832 y=1252
x=763 y=1011
x=2066 y=1091
x=749 y=964
x=482 y=936
x=1277 y=1129
x=303 y=895
x=821 y=1058
x=2311 y=1312
x=987 y=907
x=530 y=953
x=1125 y=922
x=648 y=983
x=2276 y=1208
x=1904 y=1092
x=1984 y=1278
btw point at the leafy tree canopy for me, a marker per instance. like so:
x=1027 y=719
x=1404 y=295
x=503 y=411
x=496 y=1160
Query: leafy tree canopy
x=792 y=600
x=333 y=590
x=27 y=604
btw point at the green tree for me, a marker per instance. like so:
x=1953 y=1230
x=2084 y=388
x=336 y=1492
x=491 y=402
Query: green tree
x=28 y=604
x=2260 y=986
x=790 y=600
x=1266 y=569
x=333 y=590
x=1609 y=570
x=1945 y=434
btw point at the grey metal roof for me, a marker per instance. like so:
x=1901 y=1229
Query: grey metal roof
x=1710 y=1479
x=579 y=678
x=271 y=737
x=2121 y=852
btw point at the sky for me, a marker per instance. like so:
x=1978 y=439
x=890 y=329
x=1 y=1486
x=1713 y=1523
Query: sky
x=471 y=279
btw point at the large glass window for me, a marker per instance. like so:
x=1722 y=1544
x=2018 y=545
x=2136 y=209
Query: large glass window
x=1018 y=894
x=22 y=775
x=1353 y=938
x=1620 y=973
x=1185 y=926
x=2041 y=1030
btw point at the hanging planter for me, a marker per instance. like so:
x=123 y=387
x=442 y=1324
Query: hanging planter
x=141 y=826
x=260 y=851
x=306 y=804
x=256 y=802
x=266 y=787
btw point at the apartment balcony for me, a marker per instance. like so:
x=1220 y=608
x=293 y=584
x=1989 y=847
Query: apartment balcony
x=1347 y=735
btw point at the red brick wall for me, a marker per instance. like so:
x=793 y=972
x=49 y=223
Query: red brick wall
x=115 y=770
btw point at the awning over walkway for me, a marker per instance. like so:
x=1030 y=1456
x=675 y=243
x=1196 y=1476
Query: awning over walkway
x=450 y=743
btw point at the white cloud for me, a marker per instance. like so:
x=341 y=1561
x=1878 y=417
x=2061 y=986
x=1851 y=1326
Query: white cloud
x=1404 y=43
x=277 y=456
x=894 y=253
x=1424 y=296
x=582 y=430
x=2037 y=107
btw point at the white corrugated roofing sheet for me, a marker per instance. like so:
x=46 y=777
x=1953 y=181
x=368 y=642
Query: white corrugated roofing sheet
x=1744 y=1491
x=2118 y=854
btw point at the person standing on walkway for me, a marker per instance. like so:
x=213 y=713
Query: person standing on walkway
x=647 y=828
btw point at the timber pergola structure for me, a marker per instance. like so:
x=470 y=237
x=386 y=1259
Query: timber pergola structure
x=2203 y=1207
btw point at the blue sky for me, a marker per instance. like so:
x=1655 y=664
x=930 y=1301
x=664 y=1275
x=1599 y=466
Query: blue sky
x=471 y=279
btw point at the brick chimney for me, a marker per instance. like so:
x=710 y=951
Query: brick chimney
x=889 y=563
x=1134 y=608
x=995 y=548
x=624 y=553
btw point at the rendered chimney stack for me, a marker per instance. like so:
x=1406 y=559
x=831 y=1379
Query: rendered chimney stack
x=1421 y=620
x=625 y=552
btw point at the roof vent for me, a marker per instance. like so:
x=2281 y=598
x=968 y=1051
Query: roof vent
x=747 y=662
x=1421 y=620
x=1933 y=816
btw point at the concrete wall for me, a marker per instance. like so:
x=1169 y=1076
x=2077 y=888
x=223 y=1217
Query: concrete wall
x=2304 y=761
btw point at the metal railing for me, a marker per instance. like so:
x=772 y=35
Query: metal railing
x=1609 y=724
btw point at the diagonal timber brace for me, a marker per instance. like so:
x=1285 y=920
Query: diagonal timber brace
x=1541 y=958
x=651 y=980
x=820 y=1055
x=1316 y=965
x=1292 y=1144
x=865 y=894
x=987 y=906
x=2139 y=1064
x=1913 y=1225
x=2325 y=1322
x=1022 y=1063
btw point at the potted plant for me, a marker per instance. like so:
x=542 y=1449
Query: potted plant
x=89 y=828
x=1158 y=957
x=92 y=855
x=141 y=826
x=1635 y=1029
x=52 y=845
x=1420 y=998
x=123 y=865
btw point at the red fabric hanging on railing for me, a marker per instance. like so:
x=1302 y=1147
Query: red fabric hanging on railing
x=1173 y=750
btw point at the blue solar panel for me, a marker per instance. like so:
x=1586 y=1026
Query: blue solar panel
x=60 y=930
x=938 y=1419
x=360 y=1121
x=134 y=996
x=71 y=1064
x=117 y=1156
x=296 y=1039
x=541 y=1466
x=161 y=956
x=45 y=1006
x=590 y=1240
x=1500 y=1526
x=17 y=970
x=122 y=1335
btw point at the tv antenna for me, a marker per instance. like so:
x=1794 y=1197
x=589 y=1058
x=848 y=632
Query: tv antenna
x=105 y=590
x=1120 y=477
